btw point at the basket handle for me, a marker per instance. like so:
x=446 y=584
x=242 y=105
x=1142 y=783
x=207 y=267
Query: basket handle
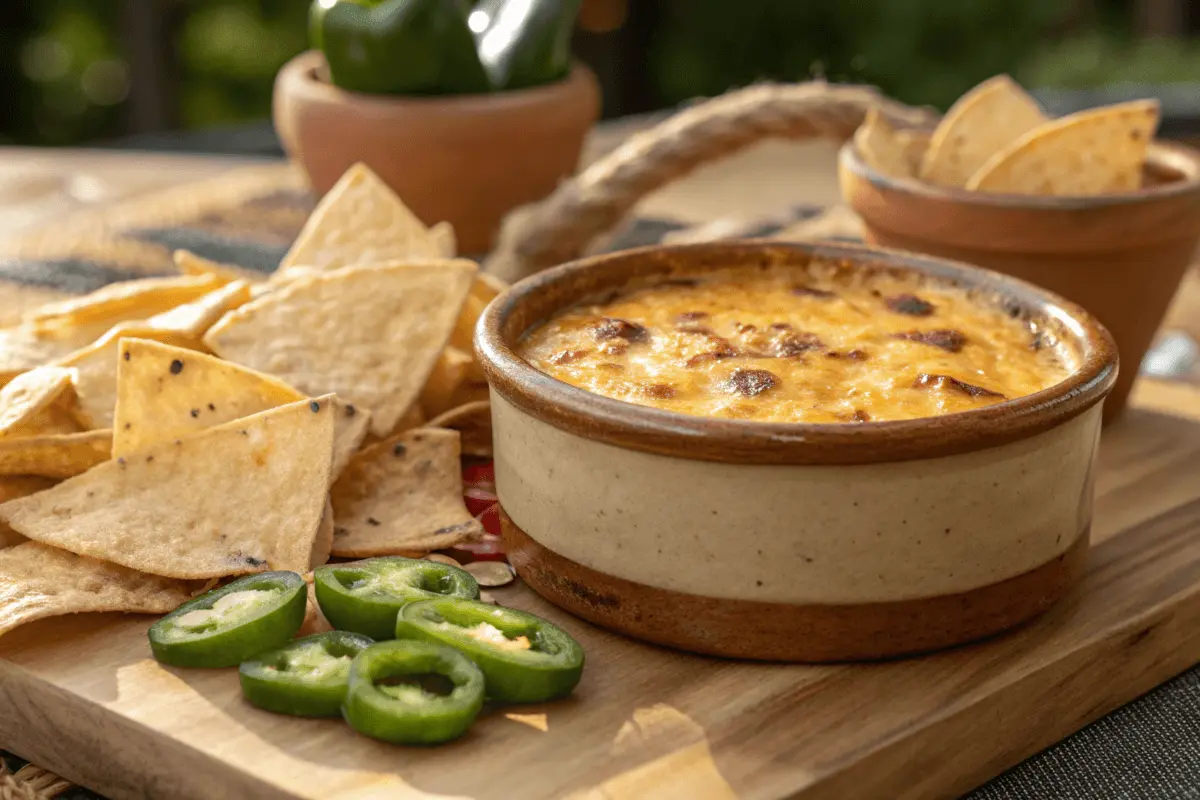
x=561 y=227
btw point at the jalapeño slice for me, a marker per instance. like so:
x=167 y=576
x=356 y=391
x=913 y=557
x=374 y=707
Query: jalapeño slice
x=226 y=626
x=304 y=678
x=408 y=692
x=366 y=596
x=524 y=658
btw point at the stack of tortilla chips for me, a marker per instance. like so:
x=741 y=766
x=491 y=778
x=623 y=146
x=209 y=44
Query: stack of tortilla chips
x=160 y=435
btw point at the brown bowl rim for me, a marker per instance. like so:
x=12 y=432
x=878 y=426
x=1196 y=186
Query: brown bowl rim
x=300 y=73
x=1170 y=154
x=651 y=430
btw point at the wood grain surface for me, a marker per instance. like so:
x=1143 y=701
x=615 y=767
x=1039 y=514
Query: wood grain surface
x=82 y=696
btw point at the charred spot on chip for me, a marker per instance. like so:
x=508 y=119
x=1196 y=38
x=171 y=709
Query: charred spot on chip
x=339 y=531
x=255 y=562
x=812 y=291
x=211 y=407
x=149 y=459
x=751 y=382
x=176 y=366
x=567 y=356
x=314 y=406
x=947 y=339
x=373 y=522
x=195 y=413
x=927 y=381
x=121 y=461
x=909 y=304
x=351 y=410
x=127 y=355
x=662 y=391
x=127 y=425
x=399 y=449
x=614 y=328
x=462 y=526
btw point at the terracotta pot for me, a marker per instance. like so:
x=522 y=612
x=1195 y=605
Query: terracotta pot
x=468 y=160
x=1119 y=256
x=792 y=541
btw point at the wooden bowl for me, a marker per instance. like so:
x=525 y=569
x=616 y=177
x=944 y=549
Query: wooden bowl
x=1120 y=256
x=466 y=159
x=803 y=542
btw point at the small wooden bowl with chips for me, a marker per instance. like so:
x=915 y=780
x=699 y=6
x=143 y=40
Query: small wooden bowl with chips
x=793 y=541
x=1120 y=252
x=467 y=160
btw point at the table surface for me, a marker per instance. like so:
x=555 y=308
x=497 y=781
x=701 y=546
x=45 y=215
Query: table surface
x=38 y=187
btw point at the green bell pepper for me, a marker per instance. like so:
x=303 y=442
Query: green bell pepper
x=226 y=626
x=414 y=47
x=366 y=597
x=524 y=43
x=524 y=658
x=412 y=693
x=305 y=678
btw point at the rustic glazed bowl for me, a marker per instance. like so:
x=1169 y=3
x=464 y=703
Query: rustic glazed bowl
x=806 y=542
x=466 y=159
x=1120 y=256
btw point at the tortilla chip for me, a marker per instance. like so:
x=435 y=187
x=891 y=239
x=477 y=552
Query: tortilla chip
x=885 y=148
x=188 y=263
x=323 y=541
x=238 y=498
x=360 y=221
x=193 y=319
x=314 y=620
x=448 y=374
x=120 y=301
x=402 y=496
x=165 y=392
x=60 y=455
x=27 y=402
x=10 y=489
x=350 y=428
x=369 y=334
x=473 y=421
x=982 y=122
x=37 y=581
x=1092 y=152
x=487 y=287
x=443 y=239
x=96 y=370
x=25 y=347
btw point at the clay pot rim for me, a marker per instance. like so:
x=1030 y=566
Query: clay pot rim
x=300 y=77
x=1176 y=157
x=739 y=441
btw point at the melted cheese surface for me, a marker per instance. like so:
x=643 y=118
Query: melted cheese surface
x=797 y=345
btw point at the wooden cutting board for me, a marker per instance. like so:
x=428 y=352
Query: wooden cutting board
x=81 y=696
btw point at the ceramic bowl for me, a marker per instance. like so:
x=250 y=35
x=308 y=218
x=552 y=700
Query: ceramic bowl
x=1120 y=256
x=465 y=159
x=802 y=542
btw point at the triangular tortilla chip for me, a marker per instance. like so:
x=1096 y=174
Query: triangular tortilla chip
x=982 y=122
x=351 y=425
x=96 y=370
x=370 y=334
x=188 y=263
x=10 y=489
x=37 y=581
x=166 y=392
x=883 y=147
x=193 y=319
x=27 y=346
x=323 y=541
x=119 y=301
x=473 y=421
x=361 y=221
x=54 y=455
x=1092 y=152
x=27 y=402
x=242 y=497
x=402 y=496
x=487 y=287
x=443 y=239
x=448 y=374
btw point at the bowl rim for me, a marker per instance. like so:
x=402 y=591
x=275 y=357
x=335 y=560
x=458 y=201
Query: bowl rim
x=1173 y=155
x=642 y=428
x=299 y=74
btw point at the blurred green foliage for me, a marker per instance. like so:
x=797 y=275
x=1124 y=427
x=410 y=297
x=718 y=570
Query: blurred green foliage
x=63 y=66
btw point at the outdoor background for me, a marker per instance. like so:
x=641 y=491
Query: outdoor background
x=123 y=71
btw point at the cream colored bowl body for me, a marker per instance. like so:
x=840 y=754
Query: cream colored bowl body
x=799 y=534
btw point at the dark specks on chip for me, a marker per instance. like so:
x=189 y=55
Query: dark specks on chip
x=372 y=521
x=351 y=410
x=195 y=412
x=315 y=406
x=399 y=449
x=176 y=367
